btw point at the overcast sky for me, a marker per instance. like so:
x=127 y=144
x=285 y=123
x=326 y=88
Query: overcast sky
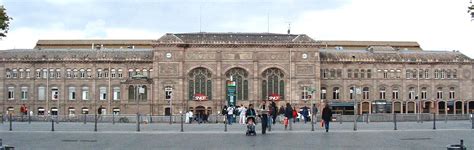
x=435 y=24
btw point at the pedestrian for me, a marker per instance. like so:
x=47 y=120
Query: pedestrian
x=99 y=112
x=315 y=112
x=187 y=117
x=242 y=111
x=295 y=114
x=273 y=110
x=327 y=116
x=288 y=114
x=282 y=113
x=250 y=114
x=191 y=117
x=230 y=114
x=264 y=115
x=305 y=114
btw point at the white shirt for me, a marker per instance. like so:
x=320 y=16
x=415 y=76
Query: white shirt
x=243 y=111
x=230 y=110
x=190 y=114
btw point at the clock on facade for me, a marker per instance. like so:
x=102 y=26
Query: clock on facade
x=168 y=55
x=304 y=56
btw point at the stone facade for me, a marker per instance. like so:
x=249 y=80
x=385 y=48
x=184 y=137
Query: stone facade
x=75 y=76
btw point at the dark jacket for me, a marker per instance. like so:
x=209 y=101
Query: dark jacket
x=250 y=112
x=327 y=114
x=289 y=112
x=273 y=109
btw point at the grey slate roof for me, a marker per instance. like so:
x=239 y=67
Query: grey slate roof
x=395 y=55
x=234 y=38
x=77 y=54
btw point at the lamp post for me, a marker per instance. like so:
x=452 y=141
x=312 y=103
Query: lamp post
x=139 y=90
x=355 y=91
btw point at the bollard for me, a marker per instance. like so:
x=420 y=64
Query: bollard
x=95 y=123
x=225 y=123
x=29 y=118
x=217 y=119
x=394 y=121
x=367 y=121
x=113 y=118
x=312 y=122
x=355 y=122
x=434 y=121
x=182 y=121
x=151 y=119
x=52 y=124
x=472 y=121
x=138 y=122
x=10 y=122
x=85 y=118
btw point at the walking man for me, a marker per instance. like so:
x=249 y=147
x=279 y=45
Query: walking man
x=327 y=116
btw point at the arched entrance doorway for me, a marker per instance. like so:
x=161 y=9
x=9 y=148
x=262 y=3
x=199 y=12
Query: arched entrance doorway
x=200 y=113
x=441 y=106
x=471 y=107
x=397 y=107
x=428 y=107
x=365 y=107
x=458 y=107
x=411 y=107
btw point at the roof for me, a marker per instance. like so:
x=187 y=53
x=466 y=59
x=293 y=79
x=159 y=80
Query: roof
x=372 y=43
x=395 y=55
x=92 y=41
x=77 y=54
x=234 y=38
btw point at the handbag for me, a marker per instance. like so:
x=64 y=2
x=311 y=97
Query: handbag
x=285 y=121
x=322 y=123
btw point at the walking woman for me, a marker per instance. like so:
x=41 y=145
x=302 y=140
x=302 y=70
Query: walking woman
x=288 y=114
x=327 y=116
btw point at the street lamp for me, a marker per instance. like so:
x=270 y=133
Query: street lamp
x=139 y=90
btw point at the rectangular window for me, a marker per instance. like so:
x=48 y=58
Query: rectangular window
x=427 y=72
x=304 y=93
x=356 y=73
x=103 y=93
x=28 y=73
x=120 y=74
x=451 y=94
x=41 y=93
x=439 y=95
x=365 y=94
x=99 y=73
x=351 y=93
x=323 y=94
x=72 y=93
x=339 y=73
x=22 y=73
x=106 y=73
x=11 y=93
x=382 y=94
x=369 y=73
x=24 y=93
x=362 y=73
x=14 y=73
x=116 y=93
x=8 y=74
x=385 y=74
x=395 y=95
x=58 y=73
x=54 y=93
x=85 y=93
x=349 y=73
x=68 y=73
x=455 y=74
x=45 y=73
x=423 y=95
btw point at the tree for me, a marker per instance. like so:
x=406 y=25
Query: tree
x=4 y=22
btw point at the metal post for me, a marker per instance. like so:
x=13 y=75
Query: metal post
x=52 y=124
x=113 y=118
x=182 y=121
x=171 y=110
x=138 y=122
x=29 y=118
x=225 y=123
x=10 y=122
x=95 y=123
x=151 y=118
x=312 y=121
x=394 y=121
x=434 y=121
x=3 y=118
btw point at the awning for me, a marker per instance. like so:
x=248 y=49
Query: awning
x=341 y=104
x=116 y=109
x=380 y=102
x=85 y=109
x=54 y=109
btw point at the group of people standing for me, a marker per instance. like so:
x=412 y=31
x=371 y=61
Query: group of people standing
x=268 y=114
x=199 y=117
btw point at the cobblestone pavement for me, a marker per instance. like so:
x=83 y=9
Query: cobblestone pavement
x=374 y=135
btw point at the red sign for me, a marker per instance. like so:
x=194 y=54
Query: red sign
x=200 y=97
x=274 y=97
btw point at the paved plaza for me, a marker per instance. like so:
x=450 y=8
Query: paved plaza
x=373 y=135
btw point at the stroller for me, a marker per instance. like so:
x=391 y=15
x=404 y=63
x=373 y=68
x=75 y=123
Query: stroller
x=250 y=126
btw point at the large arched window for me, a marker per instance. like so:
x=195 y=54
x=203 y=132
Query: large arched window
x=273 y=83
x=240 y=76
x=200 y=82
x=335 y=93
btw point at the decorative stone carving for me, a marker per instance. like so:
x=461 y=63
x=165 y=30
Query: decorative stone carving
x=467 y=74
x=304 y=70
x=200 y=56
x=273 y=56
x=169 y=69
